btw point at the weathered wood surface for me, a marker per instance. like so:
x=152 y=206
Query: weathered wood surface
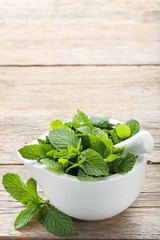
x=72 y=32
x=46 y=93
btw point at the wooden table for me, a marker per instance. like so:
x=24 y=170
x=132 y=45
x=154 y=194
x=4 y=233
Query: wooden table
x=99 y=56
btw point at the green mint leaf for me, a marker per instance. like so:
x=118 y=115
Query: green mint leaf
x=114 y=136
x=52 y=165
x=68 y=124
x=75 y=122
x=97 y=132
x=83 y=119
x=118 y=151
x=56 y=221
x=26 y=214
x=123 y=131
x=84 y=177
x=41 y=142
x=71 y=152
x=79 y=146
x=100 y=121
x=16 y=188
x=90 y=131
x=63 y=162
x=85 y=130
x=61 y=138
x=93 y=142
x=94 y=164
x=112 y=157
x=56 y=124
x=51 y=154
x=76 y=164
x=31 y=187
x=109 y=151
x=106 y=131
x=134 y=126
x=105 y=140
x=126 y=163
x=35 y=152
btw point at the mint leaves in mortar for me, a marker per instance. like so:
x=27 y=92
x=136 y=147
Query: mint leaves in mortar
x=84 y=148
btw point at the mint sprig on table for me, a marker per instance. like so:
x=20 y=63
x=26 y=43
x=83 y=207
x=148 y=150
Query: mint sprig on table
x=84 y=147
x=54 y=220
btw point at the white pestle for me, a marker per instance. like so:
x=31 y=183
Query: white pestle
x=142 y=142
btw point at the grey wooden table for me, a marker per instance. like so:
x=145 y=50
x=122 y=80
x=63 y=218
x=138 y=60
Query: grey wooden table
x=99 y=56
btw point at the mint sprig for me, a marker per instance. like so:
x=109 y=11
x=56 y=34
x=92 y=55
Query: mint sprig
x=54 y=220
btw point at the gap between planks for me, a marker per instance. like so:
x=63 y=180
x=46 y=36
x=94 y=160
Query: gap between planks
x=78 y=65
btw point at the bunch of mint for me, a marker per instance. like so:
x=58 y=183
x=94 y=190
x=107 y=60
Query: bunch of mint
x=84 y=147
x=54 y=220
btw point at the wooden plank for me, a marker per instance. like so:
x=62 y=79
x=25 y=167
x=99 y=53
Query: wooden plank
x=134 y=223
x=141 y=220
x=151 y=184
x=56 y=92
x=104 y=32
x=96 y=88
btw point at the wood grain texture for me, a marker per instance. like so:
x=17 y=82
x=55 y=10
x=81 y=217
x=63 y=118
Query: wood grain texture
x=71 y=32
x=141 y=220
x=31 y=98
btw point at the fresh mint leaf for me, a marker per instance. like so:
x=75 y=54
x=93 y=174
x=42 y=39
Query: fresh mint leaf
x=31 y=187
x=71 y=152
x=90 y=131
x=82 y=119
x=94 y=165
x=35 y=152
x=68 y=124
x=63 y=162
x=118 y=151
x=93 y=142
x=16 y=188
x=105 y=140
x=85 y=130
x=26 y=214
x=56 y=124
x=125 y=164
x=75 y=122
x=123 y=131
x=41 y=142
x=79 y=146
x=76 y=164
x=56 y=221
x=97 y=132
x=100 y=121
x=52 y=154
x=61 y=138
x=134 y=126
x=52 y=165
x=112 y=157
x=114 y=136
x=84 y=177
